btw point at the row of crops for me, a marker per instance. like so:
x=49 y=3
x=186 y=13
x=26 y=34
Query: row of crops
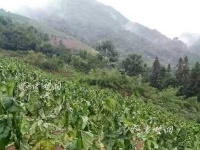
x=42 y=112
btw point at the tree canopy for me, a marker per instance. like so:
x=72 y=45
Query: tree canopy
x=107 y=50
x=133 y=65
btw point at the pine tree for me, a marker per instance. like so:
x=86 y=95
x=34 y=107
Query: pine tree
x=162 y=73
x=191 y=86
x=169 y=69
x=185 y=71
x=194 y=86
x=156 y=71
x=179 y=71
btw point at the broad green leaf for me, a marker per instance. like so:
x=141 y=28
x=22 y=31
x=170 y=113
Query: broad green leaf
x=84 y=121
x=10 y=105
x=87 y=139
x=44 y=145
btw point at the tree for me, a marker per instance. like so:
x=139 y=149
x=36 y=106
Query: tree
x=20 y=37
x=133 y=65
x=4 y=21
x=146 y=73
x=162 y=73
x=192 y=88
x=169 y=69
x=156 y=72
x=195 y=81
x=63 y=53
x=179 y=71
x=107 y=50
x=61 y=43
x=182 y=73
x=186 y=71
x=169 y=79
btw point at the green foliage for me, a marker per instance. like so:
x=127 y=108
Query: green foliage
x=162 y=78
x=5 y=21
x=47 y=49
x=182 y=72
x=111 y=79
x=20 y=37
x=192 y=86
x=63 y=54
x=42 y=61
x=156 y=73
x=84 y=61
x=44 y=145
x=35 y=59
x=80 y=64
x=133 y=65
x=52 y=64
x=188 y=80
x=107 y=50
x=45 y=111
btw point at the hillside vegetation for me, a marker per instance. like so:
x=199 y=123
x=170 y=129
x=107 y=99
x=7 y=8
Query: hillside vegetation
x=54 y=34
x=41 y=111
x=76 y=18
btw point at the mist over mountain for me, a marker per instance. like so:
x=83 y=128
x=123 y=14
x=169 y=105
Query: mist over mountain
x=193 y=42
x=190 y=38
x=92 y=22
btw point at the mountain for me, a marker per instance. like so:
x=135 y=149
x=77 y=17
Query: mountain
x=68 y=40
x=91 y=22
x=145 y=32
x=167 y=46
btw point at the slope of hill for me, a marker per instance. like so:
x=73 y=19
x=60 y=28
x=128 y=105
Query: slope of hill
x=152 y=35
x=68 y=40
x=91 y=22
x=42 y=111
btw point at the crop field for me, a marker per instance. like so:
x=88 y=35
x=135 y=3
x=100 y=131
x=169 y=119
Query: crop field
x=39 y=111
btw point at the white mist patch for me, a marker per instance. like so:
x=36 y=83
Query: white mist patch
x=12 y=5
x=190 y=38
x=37 y=3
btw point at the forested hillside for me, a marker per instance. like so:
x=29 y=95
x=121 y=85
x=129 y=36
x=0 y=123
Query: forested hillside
x=55 y=35
x=76 y=17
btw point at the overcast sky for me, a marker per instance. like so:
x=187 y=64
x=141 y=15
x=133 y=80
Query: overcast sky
x=171 y=17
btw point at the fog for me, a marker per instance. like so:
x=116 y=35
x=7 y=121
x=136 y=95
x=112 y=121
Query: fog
x=171 y=17
x=14 y=5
